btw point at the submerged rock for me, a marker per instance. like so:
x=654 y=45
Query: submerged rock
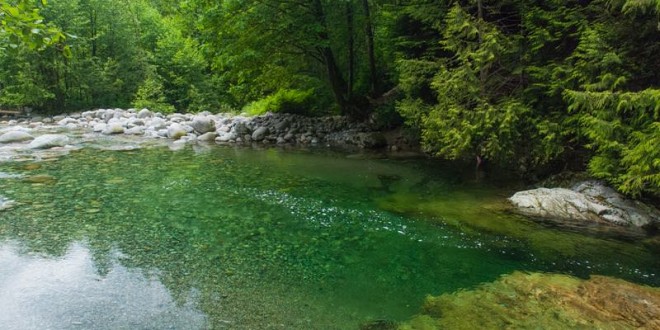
x=544 y=301
x=4 y=175
x=589 y=201
x=40 y=178
x=15 y=136
x=49 y=141
x=6 y=203
x=379 y=325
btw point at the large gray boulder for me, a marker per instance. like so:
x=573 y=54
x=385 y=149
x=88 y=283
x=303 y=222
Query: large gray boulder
x=589 y=201
x=145 y=113
x=203 y=124
x=15 y=136
x=137 y=130
x=259 y=134
x=241 y=129
x=210 y=136
x=225 y=137
x=158 y=123
x=176 y=131
x=100 y=127
x=114 y=128
x=47 y=141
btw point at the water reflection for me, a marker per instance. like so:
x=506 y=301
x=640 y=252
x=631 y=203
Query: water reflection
x=68 y=293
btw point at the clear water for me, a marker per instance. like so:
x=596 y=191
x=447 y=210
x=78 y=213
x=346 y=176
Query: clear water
x=263 y=239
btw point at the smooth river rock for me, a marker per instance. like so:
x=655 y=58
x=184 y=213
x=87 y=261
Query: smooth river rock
x=145 y=113
x=210 y=136
x=259 y=134
x=203 y=124
x=176 y=131
x=5 y=203
x=47 y=141
x=4 y=175
x=114 y=128
x=15 y=136
x=589 y=201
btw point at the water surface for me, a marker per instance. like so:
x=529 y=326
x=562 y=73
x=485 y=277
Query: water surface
x=213 y=237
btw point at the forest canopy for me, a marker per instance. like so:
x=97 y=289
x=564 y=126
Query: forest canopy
x=525 y=84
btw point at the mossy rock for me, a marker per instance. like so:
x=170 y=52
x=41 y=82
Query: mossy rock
x=544 y=301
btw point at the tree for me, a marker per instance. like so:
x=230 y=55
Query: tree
x=22 y=23
x=475 y=109
x=617 y=100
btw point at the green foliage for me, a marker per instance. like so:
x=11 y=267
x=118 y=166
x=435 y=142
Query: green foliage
x=22 y=24
x=283 y=101
x=616 y=101
x=624 y=131
x=474 y=112
x=151 y=96
x=181 y=64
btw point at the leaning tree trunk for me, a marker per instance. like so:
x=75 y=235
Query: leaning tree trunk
x=351 y=49
x=369 y=32
x=337 y=82
x=482 y=70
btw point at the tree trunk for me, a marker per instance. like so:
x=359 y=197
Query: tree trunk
x=92 y=24
x=335 y=77
x=482 y=70
x=351 y=49
x=369 y=33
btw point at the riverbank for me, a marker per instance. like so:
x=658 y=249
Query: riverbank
x=269 y=129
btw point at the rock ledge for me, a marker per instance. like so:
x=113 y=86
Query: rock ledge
x=589 y=201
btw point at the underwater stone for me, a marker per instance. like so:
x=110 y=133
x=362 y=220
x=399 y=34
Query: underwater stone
x=544 y=301
x=5 y=203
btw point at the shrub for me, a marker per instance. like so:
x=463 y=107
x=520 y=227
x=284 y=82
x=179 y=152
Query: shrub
x=285 y=101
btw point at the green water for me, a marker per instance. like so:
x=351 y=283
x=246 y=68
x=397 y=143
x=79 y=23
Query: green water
x=264 y=239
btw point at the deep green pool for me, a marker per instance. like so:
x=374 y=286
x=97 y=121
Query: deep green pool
x=264 y=239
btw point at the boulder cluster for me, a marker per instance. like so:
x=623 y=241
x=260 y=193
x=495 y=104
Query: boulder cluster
x=270 y=128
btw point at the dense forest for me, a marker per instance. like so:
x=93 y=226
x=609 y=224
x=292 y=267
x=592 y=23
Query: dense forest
x=525 y=84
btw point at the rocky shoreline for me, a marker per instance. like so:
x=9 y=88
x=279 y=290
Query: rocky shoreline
x=37 y=138
x=275 y=129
